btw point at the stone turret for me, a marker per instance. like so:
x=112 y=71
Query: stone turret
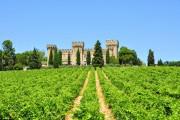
x=113 y=46
x=50 y=47
x=78 y=44
x=75 y=46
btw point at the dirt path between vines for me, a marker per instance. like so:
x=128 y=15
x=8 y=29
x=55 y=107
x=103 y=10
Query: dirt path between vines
x=103 y=106
x=77 y=101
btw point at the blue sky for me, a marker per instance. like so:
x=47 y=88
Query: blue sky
x=137 y=24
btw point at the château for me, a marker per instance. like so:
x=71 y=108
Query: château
x=111 y=45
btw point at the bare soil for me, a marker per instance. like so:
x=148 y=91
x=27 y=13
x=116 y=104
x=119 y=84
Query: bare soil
x=77 y=101
x=103 y=106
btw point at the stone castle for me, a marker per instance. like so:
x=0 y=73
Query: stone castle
x=111 y=45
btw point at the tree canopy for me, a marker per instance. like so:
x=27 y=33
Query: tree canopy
x=23 y=58
x=78 y=58
x=60 y=57
x=107 y=57
x=128 y=56
x=34 y=61
x=151 y=60
x=160 y=62
x=9 y=56
x=98 y=60
x=56 y=59
x=88 y=58
x=51 y=57
x=69 y=59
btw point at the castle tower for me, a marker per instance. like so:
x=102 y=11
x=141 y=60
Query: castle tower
x=113 y=46
x=50 y=47
x=75 y=47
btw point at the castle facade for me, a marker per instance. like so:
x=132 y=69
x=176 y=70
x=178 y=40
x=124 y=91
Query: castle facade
x=111 y=45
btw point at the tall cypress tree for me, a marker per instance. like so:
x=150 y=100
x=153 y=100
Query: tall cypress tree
x=160 y=62
x=60 y=57
x=69 y=59
x=88 y=58
x=34 y=61
x=78 y=58
x=98 y=56
x=51 y=57
x=151 y=60
x=56 y=59
x=107 y=57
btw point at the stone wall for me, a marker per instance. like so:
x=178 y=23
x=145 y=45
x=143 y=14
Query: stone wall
x=111 y=45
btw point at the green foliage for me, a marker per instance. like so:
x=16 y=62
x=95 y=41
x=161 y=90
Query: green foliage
x=139 y=62
x=39 y=94
x=56 y=59
x=98 y=60
x=88 y=58
x=89 y=107
x=60 y=57
x=151 y=60
x=78 y=58
x=127 y=56
x=18 y=66
x=69 y=59
x=107 y=57
x=113 y=60
x=172 y=63
x=160 y=62
x=23 y=58
x=142 y=92
x=9 y=56
x=51 y=57
x=34 y=61
x=1 y=60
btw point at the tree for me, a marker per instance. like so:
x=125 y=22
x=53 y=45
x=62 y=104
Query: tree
x=160 y=62
x=60 y=57
x=172 y=63
x=1 y=60
x=51 y=57
x=78 y=58
x=88 y=58
x=98 y=56
x=56 y=59
x=139 y=62
x=8 y=54
x=128 y=56
x=107 y=57
x=113 y=60
x=34 y=61
x=151 y=60
x=23 y=58
x=69 y=59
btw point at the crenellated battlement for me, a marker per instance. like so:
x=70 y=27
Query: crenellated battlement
x=77 y=44
x=112 y=43
x=66 y=50
x=51 y=46
x=88 y=49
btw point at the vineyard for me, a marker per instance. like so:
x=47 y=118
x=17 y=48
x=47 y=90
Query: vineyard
x=127 y=92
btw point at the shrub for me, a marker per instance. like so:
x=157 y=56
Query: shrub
x=18 y=66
